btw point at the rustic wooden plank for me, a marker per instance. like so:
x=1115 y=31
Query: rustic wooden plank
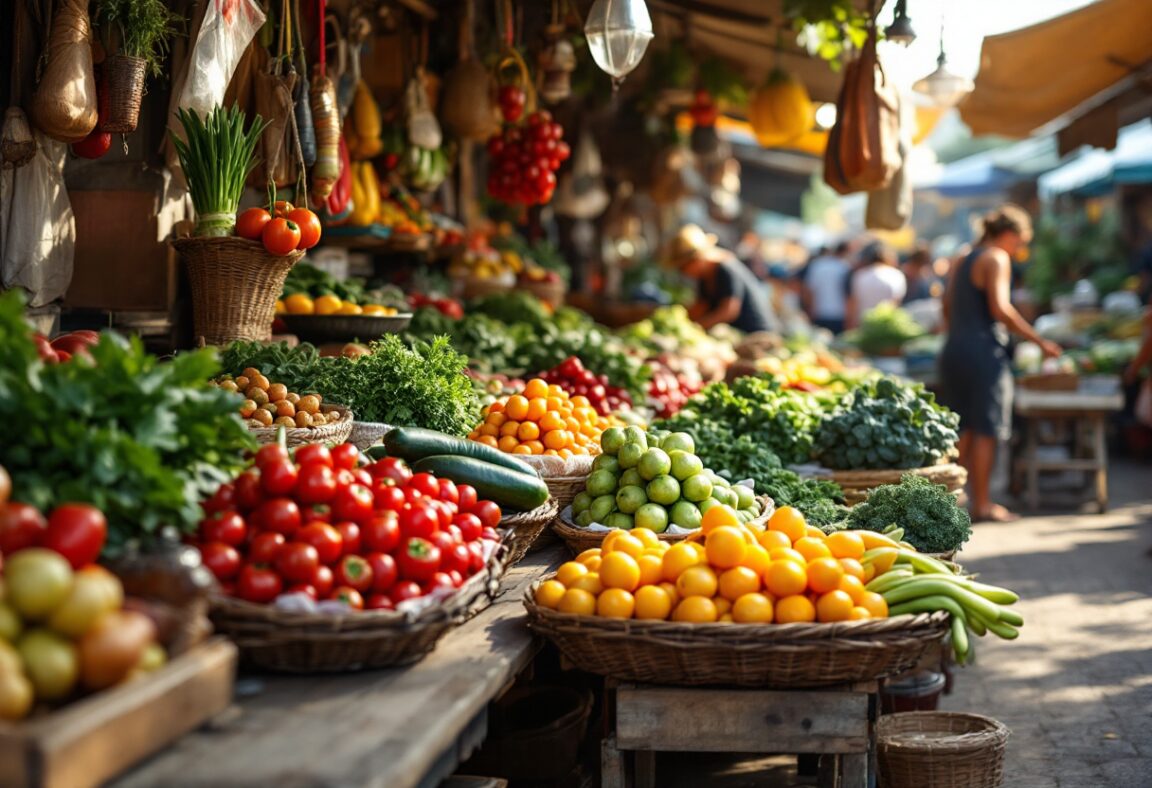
x=383 y=728
x=716 y=720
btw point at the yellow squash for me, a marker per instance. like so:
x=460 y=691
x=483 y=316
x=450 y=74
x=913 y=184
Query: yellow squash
x=781 y=110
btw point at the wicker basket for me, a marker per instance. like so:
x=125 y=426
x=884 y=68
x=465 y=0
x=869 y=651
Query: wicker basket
x=123 y=91
x=273 y=639
x=744 y=655
x=235 y=284
x=476 y=287
x=565 y=478
x=522 y=529
x=858 y=484
x=345 y=328
x=937 y=749
x=300 y=436
x=366 y=434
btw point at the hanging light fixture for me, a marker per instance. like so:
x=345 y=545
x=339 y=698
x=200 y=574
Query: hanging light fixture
x=618 y=33
x=900 y=30
x=944 y=87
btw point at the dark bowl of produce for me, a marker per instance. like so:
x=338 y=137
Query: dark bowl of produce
x=345 y=328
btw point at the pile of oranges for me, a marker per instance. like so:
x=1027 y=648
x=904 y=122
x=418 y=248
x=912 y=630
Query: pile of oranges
x=542 y=419
x=789 y=572
x=303 y=304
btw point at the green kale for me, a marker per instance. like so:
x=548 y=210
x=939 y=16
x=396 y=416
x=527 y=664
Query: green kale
x=932 y=520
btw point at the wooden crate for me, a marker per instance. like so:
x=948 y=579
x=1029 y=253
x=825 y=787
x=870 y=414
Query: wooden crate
x=87 y=742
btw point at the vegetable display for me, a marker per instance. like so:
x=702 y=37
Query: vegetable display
x=525 y=159
x=932 y=519
x=269 y=404
x=886 y=424
x=883 y=329
x=572 y=376
x=543 y=420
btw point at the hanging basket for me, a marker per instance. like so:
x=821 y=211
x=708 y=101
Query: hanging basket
x=121 y=93
x=235 y=284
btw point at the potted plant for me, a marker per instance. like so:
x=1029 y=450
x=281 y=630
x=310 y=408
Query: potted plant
x=137 y=32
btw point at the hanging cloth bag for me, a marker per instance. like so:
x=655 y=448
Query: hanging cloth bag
x=65 y=104
x=273 y=88
x=890 y=208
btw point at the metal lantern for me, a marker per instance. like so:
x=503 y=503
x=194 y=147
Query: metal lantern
x=557 y=61
x=618 y=33
x=944 y=87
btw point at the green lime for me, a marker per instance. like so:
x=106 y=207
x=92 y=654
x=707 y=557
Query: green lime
x=602 y=482
x=606 y=462
x=718 y=480
x=697 y=487
x=664 y=489
x=631 y=478
x=611 y=440
x=584 y=519
x=581 y=502
x=653 y=463
x=630 y=454
x=629 y=499
x=744 y=497
x=678 y=441
x=686 y=515
x=707 y=504
x=602 y=507
x=619 y=520
x=684 y=464
x=653 y=517
x=636 y=435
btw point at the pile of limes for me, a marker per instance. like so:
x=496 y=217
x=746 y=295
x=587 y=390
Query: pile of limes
x=652 y=480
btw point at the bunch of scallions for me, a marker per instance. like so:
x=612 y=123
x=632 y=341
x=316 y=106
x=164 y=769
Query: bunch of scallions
x=217 y=158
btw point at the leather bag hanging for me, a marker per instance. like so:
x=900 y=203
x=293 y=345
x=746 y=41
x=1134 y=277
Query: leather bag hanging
x=274 y=86
x=863 y=152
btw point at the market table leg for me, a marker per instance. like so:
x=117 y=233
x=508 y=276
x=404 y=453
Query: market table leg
x=1100 y=447
x=644 y=768
x=611 y=764
x=1033 y=470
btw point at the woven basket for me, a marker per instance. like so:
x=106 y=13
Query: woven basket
x=744 y=655
x=124 y=90
x=366 y=434
x=235 y=284
x=301 y=436
x=938 y=749
x=476 y=287
x=522 y=529
x=857 y=484
x=565 y=478
x=551 y=293
x=273 y=639
x=345 y=328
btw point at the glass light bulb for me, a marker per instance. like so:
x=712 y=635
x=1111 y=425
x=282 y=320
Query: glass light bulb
x=618 y=33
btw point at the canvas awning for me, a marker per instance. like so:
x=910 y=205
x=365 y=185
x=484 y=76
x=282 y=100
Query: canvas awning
x=1096 y=171
x=1039 y=74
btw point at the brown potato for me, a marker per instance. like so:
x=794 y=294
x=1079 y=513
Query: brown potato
x=284 y=408
x=303 y=419
x=277 y=392
x=284 y=421
x=257 y=395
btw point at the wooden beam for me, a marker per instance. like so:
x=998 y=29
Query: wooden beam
x=420 y=7
x=685 y=7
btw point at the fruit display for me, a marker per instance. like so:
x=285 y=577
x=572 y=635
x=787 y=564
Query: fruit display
x=301 y=304
x=283 y=229
x=541 y=420
x=655 y=480
x=268 y=404
x=572 y=376
x=312 y=283
x=64 y=347
x=525 y=159
x=669 y=391
x=319 y=524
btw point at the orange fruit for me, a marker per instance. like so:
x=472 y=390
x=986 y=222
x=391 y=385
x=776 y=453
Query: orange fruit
x=723 y=606
x=845 y=544
x=610 y=539
x=653 y=602
x=488 y=428
x=569 y=572
x=535 y=447
x=551 y=420
x=536 y=409
x=786 y=578
x=496 y=419
x=718 y=516
x=589 y=553
x=738 y=581
x=495 y=407
x=752 y=609
x=507 y=443
x=528 y=431
x=770 y=540
x=619 y=570
x=647 y=537
x=556 y=390
x=757 y=559
x=615 y=603
x=811 y=548
x=787 y=554
x=651 y=569
x=549 y=592
x=521 y=449
x=696 y=610
x=824 y=575
x=578 y=602
x=697 y=580
x=854 y=568
x=680 y=557
x=725 y=546
x=874 y=604
x=628 y=542
x=859 y=614
x=536 y=388
x=852 y=586
x=580 y=401
x=553 y=403
x=593 y=563
x=793 y=609
x=788 y=520
x=516 y=407
x=670 y=590
x=834 y=606
x=487 y=440
x=590 y=582
x=557 y=439
x=509 y=427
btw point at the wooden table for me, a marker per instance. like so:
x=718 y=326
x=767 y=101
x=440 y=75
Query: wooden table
x=838 y=722
x=385 y=729
x=1086 y=411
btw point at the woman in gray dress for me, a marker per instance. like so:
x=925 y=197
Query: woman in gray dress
x=975 y=369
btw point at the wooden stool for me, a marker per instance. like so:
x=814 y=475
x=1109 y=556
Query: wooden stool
x=836 y=721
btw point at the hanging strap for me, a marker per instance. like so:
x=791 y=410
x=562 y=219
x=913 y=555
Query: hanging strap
x=323 y=7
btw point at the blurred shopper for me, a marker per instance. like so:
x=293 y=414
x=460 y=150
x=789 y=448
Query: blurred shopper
x=922 y=280
x=877 y=281
x=726 y=291
x=824 y=288
x=975 y=367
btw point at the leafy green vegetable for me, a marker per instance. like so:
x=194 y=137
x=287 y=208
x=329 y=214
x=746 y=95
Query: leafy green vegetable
x=820 y=500
x=884 y=328
x=932 y=520
x=142 y=440
x=886 y=424
x=141 y=28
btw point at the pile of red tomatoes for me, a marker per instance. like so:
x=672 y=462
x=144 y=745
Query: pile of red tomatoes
x=576 y=379
x=525 y=158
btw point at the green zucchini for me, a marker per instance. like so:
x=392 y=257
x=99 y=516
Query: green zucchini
x=510 y=489
x=415 y=443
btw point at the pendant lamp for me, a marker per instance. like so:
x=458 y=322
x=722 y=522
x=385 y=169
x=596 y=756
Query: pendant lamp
x=945 y=88
x=900 y=31
x=618 y=33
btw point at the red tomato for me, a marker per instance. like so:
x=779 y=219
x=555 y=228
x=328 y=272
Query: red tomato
x=439 y=580
x=449 y=493
x=326 y=539
x=269 y=454
x=384 y=571
x=316 y=484
x=95 y=145
x=265 y=547
x=76 y=531
x=363 y=477
x=488 y=512
x=490 y=534
x=250 y=223
x=221 y=500
x=426 y=483
x=323 y=581
x=379 y=602
x=316 y=513
x=457 y=534
x=412 y=495
x=281 y=515
x=346 y=455
x=405 y=589
x=248 y=492
x=280 y=237
x=279 y=477
x=349 y=596
x=314 y=453
x=381 y=532
x=354 y=571
x=469 y=525
x=468 y=497
x=307 y=589
x=391 y=468
x=297 y=562
x=476 y=552
x=226 y=527
x=419 y=559
x=350 y=535
x=456 y=558
x=344 y=477
x=388 y=496
x=282 y=208
x=309 y=224
x=457 y=578
x=222 y=560
x=353 y=502
x=258 y=584
x=21 y=525
x=420 y=519
x=444 y=541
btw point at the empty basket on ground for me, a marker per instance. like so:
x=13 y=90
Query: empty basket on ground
x=937 y=749
x=522 y=529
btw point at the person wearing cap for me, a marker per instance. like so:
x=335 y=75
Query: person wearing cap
x=726 y=290
x=877 y=281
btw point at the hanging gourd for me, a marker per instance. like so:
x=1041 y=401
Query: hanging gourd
x=781 y=110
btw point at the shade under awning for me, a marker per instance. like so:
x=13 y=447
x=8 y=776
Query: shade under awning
x=1034 y=75
x=1096 y=171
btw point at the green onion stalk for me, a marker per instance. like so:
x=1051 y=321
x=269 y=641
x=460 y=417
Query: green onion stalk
x=217 y=159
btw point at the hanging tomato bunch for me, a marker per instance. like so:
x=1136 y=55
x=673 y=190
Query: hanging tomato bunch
x=525 y=158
